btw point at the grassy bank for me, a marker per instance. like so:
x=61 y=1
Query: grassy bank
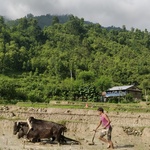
x=129 y=107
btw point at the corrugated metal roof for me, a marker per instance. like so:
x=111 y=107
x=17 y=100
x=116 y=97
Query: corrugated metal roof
x=118 y=88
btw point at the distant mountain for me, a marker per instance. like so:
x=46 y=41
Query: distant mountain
x=113 y=28
x=43 y=20
x=46 y=20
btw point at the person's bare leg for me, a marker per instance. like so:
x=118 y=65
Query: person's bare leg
x=111 y=144
x=103 y=139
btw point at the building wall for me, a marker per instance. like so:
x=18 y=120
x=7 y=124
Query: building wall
x=136 y=94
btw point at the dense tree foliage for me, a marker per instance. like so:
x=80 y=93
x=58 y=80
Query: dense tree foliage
x=71 y=61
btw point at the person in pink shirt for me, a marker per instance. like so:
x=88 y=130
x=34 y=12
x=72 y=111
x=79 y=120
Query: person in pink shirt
x=107 y=129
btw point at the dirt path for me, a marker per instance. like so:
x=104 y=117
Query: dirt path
x=80 y=123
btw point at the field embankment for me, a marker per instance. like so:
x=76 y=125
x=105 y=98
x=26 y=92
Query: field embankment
x=131 y=130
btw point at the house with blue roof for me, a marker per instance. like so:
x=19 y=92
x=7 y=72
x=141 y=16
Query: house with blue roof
x=120 y=91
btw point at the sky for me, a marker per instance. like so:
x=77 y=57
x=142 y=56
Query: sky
x=131 y=13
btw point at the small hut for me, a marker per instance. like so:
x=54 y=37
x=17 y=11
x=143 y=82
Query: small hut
x=118 y=91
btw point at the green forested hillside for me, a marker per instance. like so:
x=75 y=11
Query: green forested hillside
x=71 y=61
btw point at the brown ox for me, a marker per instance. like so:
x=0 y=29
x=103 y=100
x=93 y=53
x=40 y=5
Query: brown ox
x=42 y=129
x=35 y=130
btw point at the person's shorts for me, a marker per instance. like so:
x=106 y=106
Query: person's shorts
x=107 y=132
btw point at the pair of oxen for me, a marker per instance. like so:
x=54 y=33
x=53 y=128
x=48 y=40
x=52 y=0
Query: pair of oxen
x=35 y=130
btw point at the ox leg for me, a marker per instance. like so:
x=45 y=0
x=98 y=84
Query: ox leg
x=63 y=139
x=52 y=138
x=34 y=140
x=59 y=139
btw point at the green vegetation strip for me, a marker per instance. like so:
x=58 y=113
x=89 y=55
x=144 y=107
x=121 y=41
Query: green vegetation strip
x=111 y=107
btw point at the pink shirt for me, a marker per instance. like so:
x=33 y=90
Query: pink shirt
x=104 y=121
